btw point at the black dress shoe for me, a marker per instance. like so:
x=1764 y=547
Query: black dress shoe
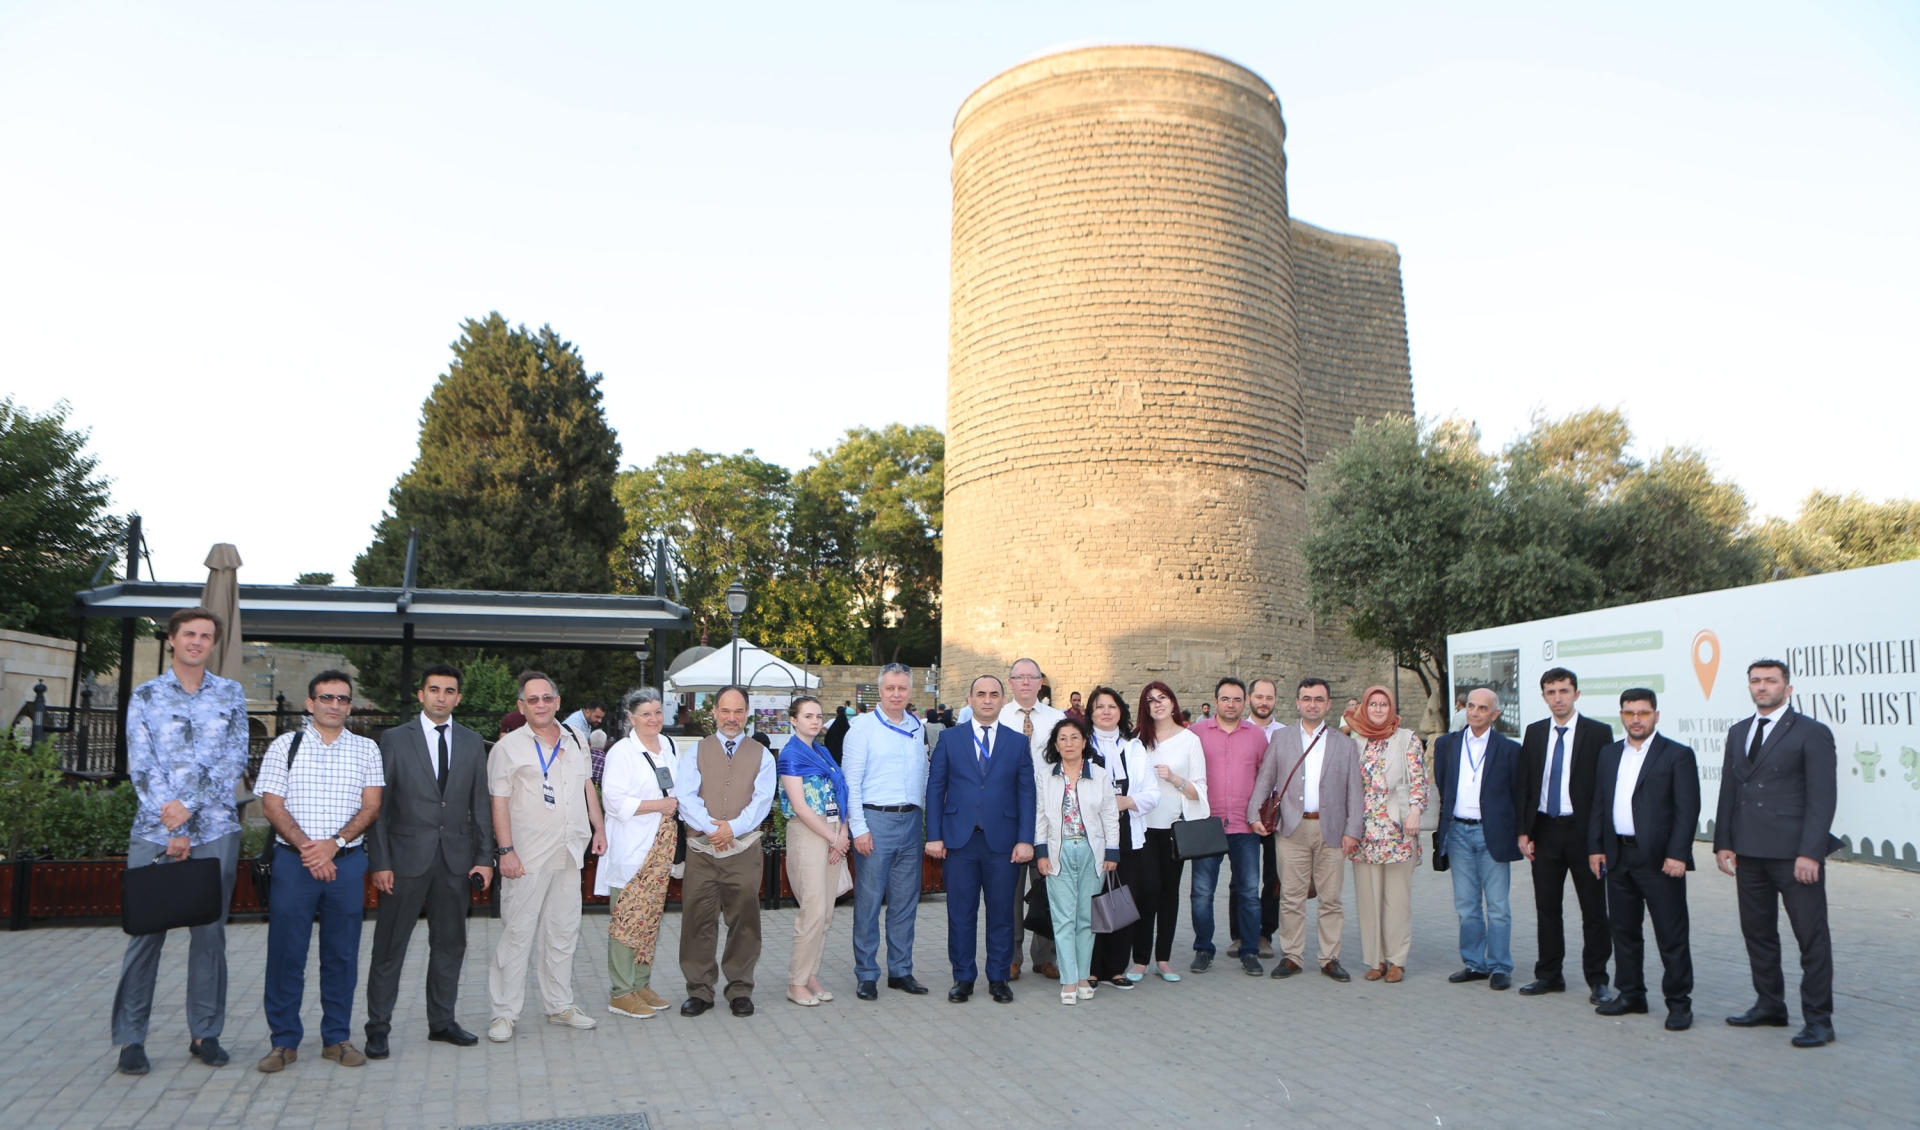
x=1813 y=1036
x=1757 y=1017
x=1601 y=993
x=694 y=1006
x=1284 y=968
x=1621 y=1005
x=1336 y=971
x=133 y=1060
x=1000 y=993
x=1499 y=982
x=741 y=1006
x=1679 y=1019
x=452 y=1034
x=907 y=985
x=1461 y=977
x=1544 y=985
x=868 y=991
x=209 y=1052
x=376 y=1046
x=960 y=992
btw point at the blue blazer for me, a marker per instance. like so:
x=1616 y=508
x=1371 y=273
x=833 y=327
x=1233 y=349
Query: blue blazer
x=960 y=799
x=1503 y=799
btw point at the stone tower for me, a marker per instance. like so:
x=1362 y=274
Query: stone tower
x=1146 y=354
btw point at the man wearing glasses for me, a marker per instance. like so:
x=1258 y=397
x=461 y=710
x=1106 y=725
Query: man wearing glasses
x=1034 y=719
x=545 y=816
x=321 y=790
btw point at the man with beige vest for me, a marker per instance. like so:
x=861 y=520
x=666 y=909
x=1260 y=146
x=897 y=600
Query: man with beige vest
x=725 y=788
x=1316 y=770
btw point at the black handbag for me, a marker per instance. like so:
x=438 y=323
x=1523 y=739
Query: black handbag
x=1039 y=916
x=1439 y=858
x=1199 y=839
x=262 y=865
x=165 y=895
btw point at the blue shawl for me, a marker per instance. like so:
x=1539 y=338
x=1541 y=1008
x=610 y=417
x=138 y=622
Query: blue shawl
x=798 y=759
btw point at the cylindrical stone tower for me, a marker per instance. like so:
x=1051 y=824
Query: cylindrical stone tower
x=1125 y=466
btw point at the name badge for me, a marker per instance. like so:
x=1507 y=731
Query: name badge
x=664 y=777
x=546 y=794
x=833 y=806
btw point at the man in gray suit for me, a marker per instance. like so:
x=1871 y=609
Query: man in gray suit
x=1772 y=832
x=435 y=830
x=1316 y=770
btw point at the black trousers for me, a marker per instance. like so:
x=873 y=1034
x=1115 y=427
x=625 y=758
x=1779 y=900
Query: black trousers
x=445 y=895
x=1633 y=895
x=1560 y=850
x=1112 y=953
x=1160 y=912
x=1269 y=892
x=1764 y=885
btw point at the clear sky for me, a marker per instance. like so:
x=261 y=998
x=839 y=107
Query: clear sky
x=239 y=237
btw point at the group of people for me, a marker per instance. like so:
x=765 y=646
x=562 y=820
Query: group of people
x=1017 y=792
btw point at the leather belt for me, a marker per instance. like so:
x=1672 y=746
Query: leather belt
x=891 y=807
x=1464 y=820
x=1309 y=816
x=1555 y=819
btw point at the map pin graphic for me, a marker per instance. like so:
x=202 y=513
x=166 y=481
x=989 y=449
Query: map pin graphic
x=1706 y=659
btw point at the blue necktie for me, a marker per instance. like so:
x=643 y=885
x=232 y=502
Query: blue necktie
x=980 y=742
x=1559 y=763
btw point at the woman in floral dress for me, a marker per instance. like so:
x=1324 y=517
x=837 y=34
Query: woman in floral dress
x=1393 y=772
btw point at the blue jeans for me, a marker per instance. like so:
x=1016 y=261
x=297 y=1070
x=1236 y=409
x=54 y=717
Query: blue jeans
x=890 y=875
x=297 y=899
x=1486 y=936
x=1243 y=849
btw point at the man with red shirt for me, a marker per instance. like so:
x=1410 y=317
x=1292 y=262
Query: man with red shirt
x=1234 y=749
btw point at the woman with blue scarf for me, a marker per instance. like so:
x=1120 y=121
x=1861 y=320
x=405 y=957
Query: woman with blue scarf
x=813 y=797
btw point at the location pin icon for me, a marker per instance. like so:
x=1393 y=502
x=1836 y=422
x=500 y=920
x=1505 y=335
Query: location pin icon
x=1706 y=659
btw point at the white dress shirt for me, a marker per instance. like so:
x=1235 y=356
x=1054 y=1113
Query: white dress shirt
x=1014 y=716
x=1473 y=765
x=1631 y=759
x=1566 y=767
x=1311 y=771
x=1773 y=723
x=433 y=743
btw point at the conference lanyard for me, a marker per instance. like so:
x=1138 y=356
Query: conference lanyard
x=914 y=734
x=546 y=762
x=1466 y=751
x=980 y=743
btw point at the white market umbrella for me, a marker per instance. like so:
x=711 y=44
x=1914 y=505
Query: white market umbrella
x=760 y=670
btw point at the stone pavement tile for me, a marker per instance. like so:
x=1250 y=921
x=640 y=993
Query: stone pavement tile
x=1222 y=1049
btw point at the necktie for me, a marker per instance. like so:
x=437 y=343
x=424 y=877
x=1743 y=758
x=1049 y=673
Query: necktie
x=1026 y=720
x=1759 y=736
x=442 y=727
x=729 y=744
x=1559 y=766
x=985 y=751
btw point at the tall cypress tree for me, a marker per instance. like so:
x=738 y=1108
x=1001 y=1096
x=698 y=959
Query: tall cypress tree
x=512 y=491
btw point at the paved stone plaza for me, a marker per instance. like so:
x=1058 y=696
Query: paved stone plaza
x=1221 y=1049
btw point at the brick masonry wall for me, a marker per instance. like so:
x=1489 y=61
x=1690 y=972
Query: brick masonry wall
x=1133 y=375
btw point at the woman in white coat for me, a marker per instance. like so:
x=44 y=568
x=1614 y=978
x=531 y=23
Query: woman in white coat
x=1076 y=841
x=1136 y=793
x=1181 y=767
x=637 y=787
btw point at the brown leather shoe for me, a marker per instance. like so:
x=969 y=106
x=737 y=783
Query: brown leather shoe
x=1395 y=973
x=344 y=1054
x=1015 y=974
x=1044 y=969
x=1377 y=972
x=277 y=1060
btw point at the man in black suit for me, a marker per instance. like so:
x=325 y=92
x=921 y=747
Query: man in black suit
x=1558 y=756
x=1646 y=802
x=1773 y=828
x=435 y=830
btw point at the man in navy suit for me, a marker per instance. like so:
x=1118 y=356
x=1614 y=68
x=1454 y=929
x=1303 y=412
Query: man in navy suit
x=1646 y=801
x=1482 y=798
x=980 y=811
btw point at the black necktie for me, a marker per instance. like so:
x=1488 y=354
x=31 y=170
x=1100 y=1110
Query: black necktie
x=1759 y=735
x=442 y=727
x=1559 y=764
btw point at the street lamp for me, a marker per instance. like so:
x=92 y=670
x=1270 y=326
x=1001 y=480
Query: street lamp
x=736 y=605
x=641 y=653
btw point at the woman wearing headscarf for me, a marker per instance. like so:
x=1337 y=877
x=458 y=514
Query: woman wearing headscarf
x=813 y=796
x=1393 y=772
x=1136 y=793
x=637 y=786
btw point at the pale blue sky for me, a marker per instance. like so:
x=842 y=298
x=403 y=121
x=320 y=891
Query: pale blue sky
x=1700 y=212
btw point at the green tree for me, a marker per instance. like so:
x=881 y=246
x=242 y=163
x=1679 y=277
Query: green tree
x=1834 y=532
x=319 y=580
x=512 y=490
x=870 y=511
x=54 y=528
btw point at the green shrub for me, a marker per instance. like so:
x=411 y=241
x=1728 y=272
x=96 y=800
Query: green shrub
x=29 y=777
x=87 y=821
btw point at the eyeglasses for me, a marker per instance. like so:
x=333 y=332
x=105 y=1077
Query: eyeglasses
x=540 y=699
x=1024 y=678
x=334 y=699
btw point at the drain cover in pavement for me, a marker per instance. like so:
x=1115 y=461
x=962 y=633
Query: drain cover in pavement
x=599 y=1122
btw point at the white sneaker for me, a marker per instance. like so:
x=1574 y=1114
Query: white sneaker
x=573 y=1018
x=501 y=1030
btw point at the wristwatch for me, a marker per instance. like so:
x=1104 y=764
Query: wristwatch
x=340 y=842
x=503 y=851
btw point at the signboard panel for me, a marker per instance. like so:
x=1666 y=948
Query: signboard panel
x=1851 y=641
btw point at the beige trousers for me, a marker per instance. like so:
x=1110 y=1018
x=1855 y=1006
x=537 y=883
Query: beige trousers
x=1306 y=859
x=1385 y=894
x=815 y=882
x=538 y=912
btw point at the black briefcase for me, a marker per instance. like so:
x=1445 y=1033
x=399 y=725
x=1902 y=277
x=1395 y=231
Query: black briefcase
x=165 y=895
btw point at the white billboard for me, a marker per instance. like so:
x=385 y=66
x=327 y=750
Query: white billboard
x=1851 y=641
